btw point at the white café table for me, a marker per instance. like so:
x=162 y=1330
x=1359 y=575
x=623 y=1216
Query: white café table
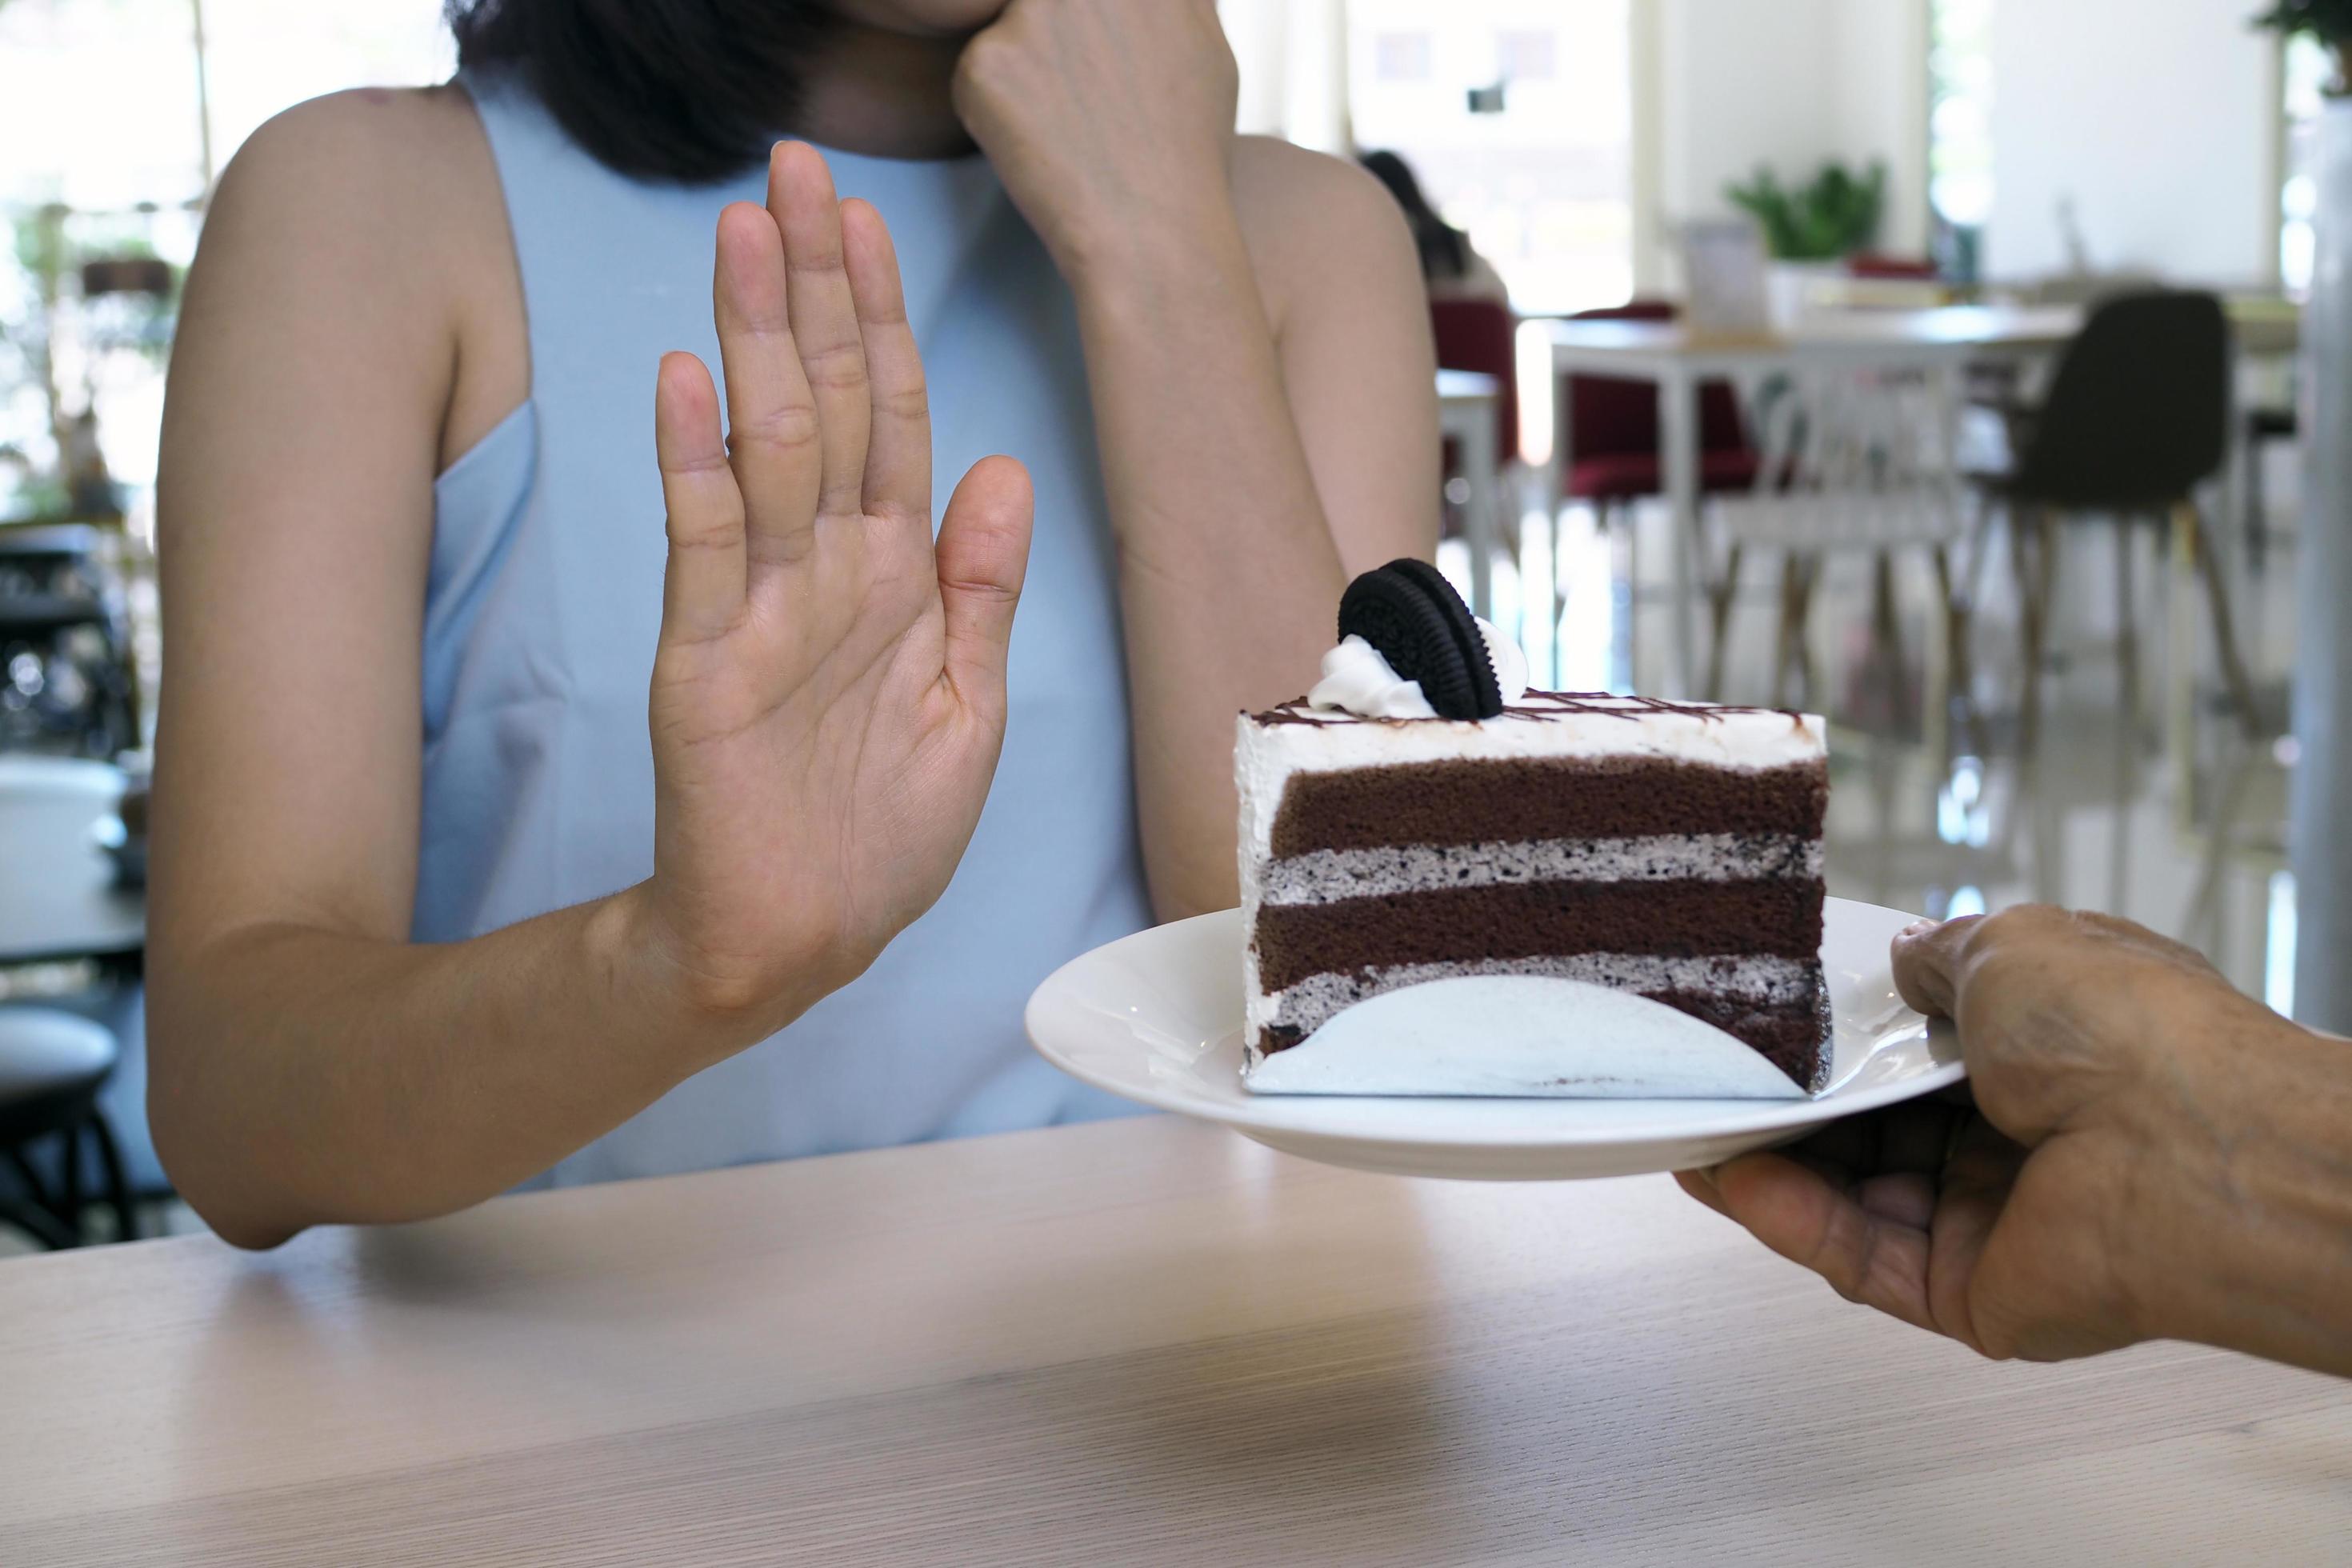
x=1677 y=359
x=1136 y=1341
x=58 y=895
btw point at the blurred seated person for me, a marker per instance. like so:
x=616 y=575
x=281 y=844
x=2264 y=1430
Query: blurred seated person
x=1450 y=267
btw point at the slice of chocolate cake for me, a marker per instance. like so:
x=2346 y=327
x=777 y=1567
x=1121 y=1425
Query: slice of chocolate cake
x=1668 y=851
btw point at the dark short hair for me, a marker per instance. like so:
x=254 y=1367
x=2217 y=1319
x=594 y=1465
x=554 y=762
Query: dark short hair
x=1444 y=249
x=687 y=90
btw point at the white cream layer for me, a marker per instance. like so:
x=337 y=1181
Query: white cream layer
x=1759 y=981
x=1265 y=755
x=1321 y=876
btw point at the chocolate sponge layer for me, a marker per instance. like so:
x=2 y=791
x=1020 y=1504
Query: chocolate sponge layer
x=1568 y=797
x=1516 y=920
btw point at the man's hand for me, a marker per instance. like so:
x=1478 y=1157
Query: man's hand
x=2127 y=1155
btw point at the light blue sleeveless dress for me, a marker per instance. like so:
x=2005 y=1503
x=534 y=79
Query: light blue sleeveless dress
x=544 y=600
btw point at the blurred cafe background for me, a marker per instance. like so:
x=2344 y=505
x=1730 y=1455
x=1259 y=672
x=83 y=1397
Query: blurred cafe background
x=1972 y=372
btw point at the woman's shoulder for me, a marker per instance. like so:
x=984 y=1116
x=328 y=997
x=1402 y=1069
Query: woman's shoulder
x=381 y=160
x=1304 y=212
x=388 y=196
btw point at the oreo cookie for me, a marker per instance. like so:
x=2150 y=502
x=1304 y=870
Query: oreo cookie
x=1409 y=611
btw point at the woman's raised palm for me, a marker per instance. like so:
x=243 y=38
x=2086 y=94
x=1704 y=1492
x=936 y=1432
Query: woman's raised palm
x=828 y=698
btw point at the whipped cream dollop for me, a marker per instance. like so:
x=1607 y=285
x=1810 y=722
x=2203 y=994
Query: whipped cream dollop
x=1358 y=679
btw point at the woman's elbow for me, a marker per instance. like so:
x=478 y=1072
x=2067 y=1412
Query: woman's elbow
x=210 y=1178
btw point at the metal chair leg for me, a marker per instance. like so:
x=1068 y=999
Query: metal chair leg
x=1886 y=640
x=118 y=1182
x=2186 y=524
x=2127 y=622
x=2034 y=562
x=1719 y=595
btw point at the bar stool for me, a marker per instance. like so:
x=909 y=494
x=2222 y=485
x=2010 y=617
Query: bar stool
x=52 y=1065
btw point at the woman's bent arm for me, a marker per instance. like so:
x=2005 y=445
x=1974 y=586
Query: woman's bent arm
x=1258 y=350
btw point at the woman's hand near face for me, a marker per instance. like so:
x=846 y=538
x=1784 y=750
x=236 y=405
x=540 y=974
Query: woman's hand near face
x=828 y=698
x=2149 y=1154
x=1111 y=121
x=1257 y=351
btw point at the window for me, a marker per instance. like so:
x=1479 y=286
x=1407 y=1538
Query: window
x=1959 y=130
x=115 y=116
x=2306 y=79
x=1544 y=186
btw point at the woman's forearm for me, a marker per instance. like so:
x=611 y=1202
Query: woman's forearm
x=311 y=1077
x=1228 y=565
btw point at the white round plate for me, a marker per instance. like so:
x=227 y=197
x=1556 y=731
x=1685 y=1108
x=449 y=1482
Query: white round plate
x=1157 y=1017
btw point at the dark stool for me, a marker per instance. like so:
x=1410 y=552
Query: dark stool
x=52 y=1065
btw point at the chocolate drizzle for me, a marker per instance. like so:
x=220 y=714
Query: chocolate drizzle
x=1542 y=707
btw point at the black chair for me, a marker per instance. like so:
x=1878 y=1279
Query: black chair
x=2136 y=418
x=52 y=1065
x=67 y=679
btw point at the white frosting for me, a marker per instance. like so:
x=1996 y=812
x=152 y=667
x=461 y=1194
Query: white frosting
x=1509 y=659
x=1322 y=875
x=1358 y=679
x=1265 y=755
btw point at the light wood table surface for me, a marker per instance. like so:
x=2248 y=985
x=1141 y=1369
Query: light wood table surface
x=1139 y=1341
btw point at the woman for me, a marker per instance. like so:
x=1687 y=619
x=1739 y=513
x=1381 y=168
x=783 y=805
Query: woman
x=434 y=909
x=1450 y=267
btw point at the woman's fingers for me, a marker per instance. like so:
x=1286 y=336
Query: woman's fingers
x=823 y=320
x=702 y=592
x=772 y=417
x=983 y=553
x=897 y=480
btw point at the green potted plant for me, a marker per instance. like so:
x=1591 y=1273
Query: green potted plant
x=2329 y=21
x=1828 y=219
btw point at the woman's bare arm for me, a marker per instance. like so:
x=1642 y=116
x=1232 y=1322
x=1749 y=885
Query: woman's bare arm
x=817 y=774
x=1258 y=346
x=1265 y=395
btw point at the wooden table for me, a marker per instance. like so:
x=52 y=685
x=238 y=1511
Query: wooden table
x=58 y=897
x=1133 y=1342
x=1467 y=405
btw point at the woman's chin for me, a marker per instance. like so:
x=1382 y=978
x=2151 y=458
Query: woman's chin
x=940 y=18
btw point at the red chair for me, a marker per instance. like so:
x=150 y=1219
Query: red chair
x=1892 y=269
x=1482 y=335
x=1612 y=430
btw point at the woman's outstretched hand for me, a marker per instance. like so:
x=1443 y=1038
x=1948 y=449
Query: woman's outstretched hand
x=828 y=698
x=2147 y=1153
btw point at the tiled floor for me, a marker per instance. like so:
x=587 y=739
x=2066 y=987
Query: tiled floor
x=2170 y=817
